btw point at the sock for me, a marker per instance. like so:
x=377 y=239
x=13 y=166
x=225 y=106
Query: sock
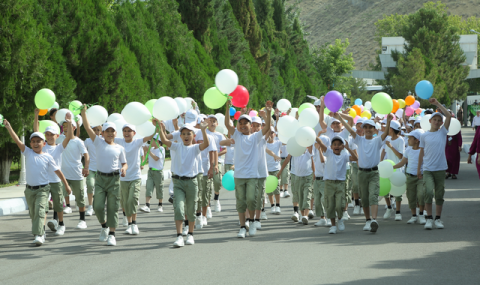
x=44 y=228
x=186 y=222
x=147 y=204
x=68 y=205
x=397 y=212
x=160 y=204
x=428 y=217
x=111 y=233
x=243 y=227
x=104 y=225
x=272 y=205
x=61 y=223
x=215 y=197
x=257 y=220
x=437 y=217
x=295 y=209
x=129 y=224
x=414 y=215
x=281 y=190
x=369 y=220
x=198 y=214
x=251 y=220
x=190 y=233
x=389 y=207
x=55 y=216
x=179 y=235
x=278 y=205
x=357 y=202
x=263 y=209
x=82 y=216
x=134 y=222
x=124 y=213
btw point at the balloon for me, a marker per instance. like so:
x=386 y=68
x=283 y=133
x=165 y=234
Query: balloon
x=240 y=97
x=271 y=184
x=79 y=120
x=283 y=105
x=189 y=102
x=136 y=113
x=146 y=129
x=165 y=108
x=75 y=107
x=326 y=111
x=283 y=139
x=424 y=89
x=385 y=169
x=395 y=107
x=357 y=109
x=253 y=113
x=293 y=112
x=44 y=98
x=422 y=113
x=119 y=125
x=55 y=105
x=213 y=98
x=43 y=124
x=305 y=136
x=416 y=105
x=60 y=115
x=385 y=187
x=425 y=123
x=232 y=111
x=398 y=179
x=287 y=126
x=409 y=111
x=97 y=115
x=401 y=103
x=182 y=105
x=398 y=191
x=226 y=81
x=356 y=119
x=237 y=115
x=455 y=127
x=418 y=111
x=366 y=114
x=150 y=104
x=334 y=100
x=361 y=108
x=399 y=113
x=228 y=182
x=114 y=117
x=352 y=113
x=43 y=112
x=293 y=148
x=358 y=101
x=382 y=103
x=309 y=118
x=409 y=100
x=220 y=119
x=368 y=105
x=305 y=106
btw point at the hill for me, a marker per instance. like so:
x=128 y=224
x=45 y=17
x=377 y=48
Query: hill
x=327 y=20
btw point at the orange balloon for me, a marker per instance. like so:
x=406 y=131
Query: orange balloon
x=418 y=111
x=43 y=112
x=409 y=100
x=396 y=105
x=357 y=109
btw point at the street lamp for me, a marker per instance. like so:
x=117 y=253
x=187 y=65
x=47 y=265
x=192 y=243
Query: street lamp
x=472 y=30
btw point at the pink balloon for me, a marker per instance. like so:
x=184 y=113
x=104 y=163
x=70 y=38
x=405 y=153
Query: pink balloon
x=361 y=107
x=253 y=113
x=356 y=119
x=409 y=110
x=415 y=105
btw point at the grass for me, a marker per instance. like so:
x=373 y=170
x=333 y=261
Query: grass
x=14 y=175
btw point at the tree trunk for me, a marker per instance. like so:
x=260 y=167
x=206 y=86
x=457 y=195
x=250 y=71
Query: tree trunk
x=5 y=164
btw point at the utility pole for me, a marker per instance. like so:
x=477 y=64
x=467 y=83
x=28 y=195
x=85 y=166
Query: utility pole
x=22 y=180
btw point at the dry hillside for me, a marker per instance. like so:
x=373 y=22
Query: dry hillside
x=327 y=20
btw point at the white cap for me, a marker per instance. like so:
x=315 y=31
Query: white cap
x=338 y=138
x=410 y=125
x=416 y=122
x=52 y=130
x=395 y=125
x=191 y=116
x=132 y=127
x=200 y=119
x=156 y=136
x=436 y=114
x=257 y=120
x=37 y=134
x=212 y=116
x=318 y=102
x=368 y=122
x=361 y=120
x=109 y=125
x=417 y=133
x=73 y=125
x=411 y=119
x=333 y=120
x=247 y=117
x=188 y=127
x=384 y=122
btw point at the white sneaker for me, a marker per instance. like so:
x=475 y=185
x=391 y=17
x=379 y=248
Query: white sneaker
x=125 y=221
x=135 y=230
x=160 y=209
x=204 y=221
x=190 y=240
x=257 y=225
x=38 y=240
x=53 y=225
x=252 y=230
x=439 y=224
x=367 y=226
x=350 y=205
x=145 y=209
x=345 y=216
x=218 y=207
x=179 y=242
x=356 y=210
x=111 y=240
x=129 y=230
x=272 y=210
x=417 y=210
x=277 y=210
x=412 y=220
x=373 y=226
x=333 y=230
x=429 y=224
x=185 y=231
x=311 y=214
x=89 y=211
x=286 y=195
x=329 y=223
x=67 y=210
x=295 y=217
x=341 y=225
x=241 y=233
x=305 y=220
x=198 y=222
x=209 y=213
x=425 y=212
x=60 y=231
x=321 y=223
x=82 y=225
x=263 y=216
x=282 y=195
x=247 y=225
x=361 y=211
x=103 y=234
x=388 y=214
x=398 y=217
x=421 y=220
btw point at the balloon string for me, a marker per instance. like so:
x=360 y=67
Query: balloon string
x=81 y=107
x=224 y=94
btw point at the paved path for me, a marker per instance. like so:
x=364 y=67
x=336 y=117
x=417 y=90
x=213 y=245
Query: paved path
x=281 y=253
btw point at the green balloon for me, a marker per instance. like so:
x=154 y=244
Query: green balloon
x=271 y=184
x=75 y=107
x=385 y=186
x=44 y=99
x=326 y=111
x=382 y=103
x=150 y=104
x=214 y=99
x=304 y=106
x=42 y=125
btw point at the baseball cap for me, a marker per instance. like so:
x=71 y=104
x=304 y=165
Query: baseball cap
x=409 y=125
x=395 y=125
x=384 y=122
x=436 y=114
x=416 y=122
x=360 y=121
x=188 y=127
x=368 y=122
x=37 y=134
x=52 y=130
x=417 y=133
x=132 y=127
x=109 y=125
x=191 y=116
x=212 y=116
x=318 y=102
x=247 y=117
x=411 y=119
x=257 y=120
x=74 y=125
x=333 y=120
x=338 y=138
x=200 y=119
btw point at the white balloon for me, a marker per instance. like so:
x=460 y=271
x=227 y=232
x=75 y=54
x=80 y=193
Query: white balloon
x=114 y=117
x=305 y=136
x=455 y=127
x=425 y=123
x=189 y=101
x=293 y=148
x=119 y=125
x=283 y=105
x=285 y=123
x=136 y=113
x=293 y=113
x=165 y=109
x=146 y=129
x=398 y=191
x=97 y=115
x=284 y=139
x=385 y=169
x=60 y=115
x=220 y=129
x=226 y=81
x=398 y=179
x=368 y=105
x=55 y=105
x=309 y=118
x=79 y=119
x=181 y=104
x=220 y=120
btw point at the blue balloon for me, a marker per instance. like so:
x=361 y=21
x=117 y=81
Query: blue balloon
x=422 y=113
x=232 y=111
x=424 y=89
x=228 y=182
x=358 y=102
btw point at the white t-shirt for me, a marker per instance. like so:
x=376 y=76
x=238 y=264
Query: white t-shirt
x=217 y=138
x=399 y=145
x=72 y=159
x=368 y=151
x=169 y=126
x=133 y=153
x=92 y=153
x=110 y=157
x=273 y=165
x=335 y=165
x=331 y=133
x=230 y=154
x=160 y=153
x=412 y=156
x=283 y=151
x=433 y=144
x=186 y=159
x=262 y=159
x=38 y=167
x=177 y=138
x=56 y=152
x=205 y=154
x=246 y=154
x=318 y=129
x=303 y=164
x=319 y=166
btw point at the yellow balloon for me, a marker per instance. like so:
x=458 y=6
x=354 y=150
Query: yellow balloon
x=366 y=114
x=352 y=113
x=402 y=103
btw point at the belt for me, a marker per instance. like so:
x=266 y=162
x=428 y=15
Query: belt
x=369 y=169
x=335 y=181
x=411 y=174
x=154 y=169
x=36 y=187
x=318 y=178
x=283 y=157
x=183 y=177
x=115 y=173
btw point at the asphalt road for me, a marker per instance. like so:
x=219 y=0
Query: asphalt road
x=281 y=253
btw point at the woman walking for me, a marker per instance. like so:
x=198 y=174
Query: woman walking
x=452 y=152
x=475 y=148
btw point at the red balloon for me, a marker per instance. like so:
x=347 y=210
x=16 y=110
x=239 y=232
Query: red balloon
x=240 y=97
x=237 y=115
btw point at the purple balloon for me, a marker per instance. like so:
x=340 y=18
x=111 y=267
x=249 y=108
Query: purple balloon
x=333 y=101
x=416 y=105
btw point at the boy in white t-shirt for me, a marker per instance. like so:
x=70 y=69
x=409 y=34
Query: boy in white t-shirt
x=262 y=172
x=273 y=165
x=38 y=164
x=319 y=184
x=432 y=155
x=156 y=160
x=216 y=171
x=92 y=169
x=357 y=209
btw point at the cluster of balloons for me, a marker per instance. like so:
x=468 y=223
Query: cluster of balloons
x=45 y=101
x=226 y=86
x=391 y=180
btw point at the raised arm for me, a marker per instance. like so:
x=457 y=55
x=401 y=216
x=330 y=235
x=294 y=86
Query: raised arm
x=14 y=136
x=387 y=128
x=230 y=128
x=323 y=147
x=347 y=126
x=321 y=114
x=347 y=117
x=205 y=143
x=86 y=124
x=268 y=119
x=68 y=119
x=163 y=137
x=448 y=116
